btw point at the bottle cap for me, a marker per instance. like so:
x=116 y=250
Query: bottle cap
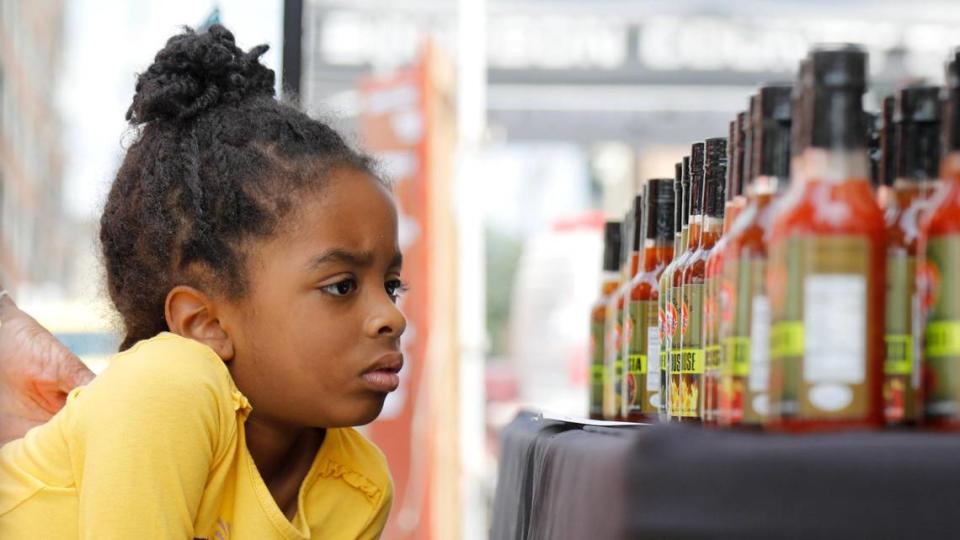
x=685 y=192
x=838 y=78
x=696 y=179
x=611 y=246
x=916 y=120
x=951 y=117
x=729 y=186
x=715 y=171
x=637 y=230
x=771 y=127
x=661 y=209
x=840 y=66
x=738 y=164
x=888 y=143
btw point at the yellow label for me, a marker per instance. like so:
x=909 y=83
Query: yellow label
x=786 y=339
x=637 y=363
x=943 y=338
x=736 y=356
x=690 y=362
x=899 y=357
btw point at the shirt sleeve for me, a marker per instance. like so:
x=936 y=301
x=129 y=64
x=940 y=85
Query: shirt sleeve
x=147 y=433
x=375 y=527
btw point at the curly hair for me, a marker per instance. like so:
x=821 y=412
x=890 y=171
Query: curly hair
x=217 y=162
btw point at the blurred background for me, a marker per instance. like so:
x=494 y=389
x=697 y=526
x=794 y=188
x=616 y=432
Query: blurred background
x=511 y=129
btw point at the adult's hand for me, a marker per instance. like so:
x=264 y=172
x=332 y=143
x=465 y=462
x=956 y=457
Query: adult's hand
x=36 y=372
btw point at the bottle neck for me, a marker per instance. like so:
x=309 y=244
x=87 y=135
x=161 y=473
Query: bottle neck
x=693 y=235
x=634 y=265
x=838 y=119
x=768 y=185
x=835 y=166
x=710 y=232
x=905 y=192
x=950 y=167
x=610 y=280
x=656 y=253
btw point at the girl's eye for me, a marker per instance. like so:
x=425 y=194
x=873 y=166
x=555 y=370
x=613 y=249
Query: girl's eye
x=395 y=288
x=340 y=288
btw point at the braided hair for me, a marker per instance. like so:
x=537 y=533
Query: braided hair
x=217 y=162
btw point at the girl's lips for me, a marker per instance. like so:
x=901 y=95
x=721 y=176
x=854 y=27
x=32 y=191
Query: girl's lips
x=382 y=380
x=382 y=375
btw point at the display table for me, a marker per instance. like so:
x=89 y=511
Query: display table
x=565 y=480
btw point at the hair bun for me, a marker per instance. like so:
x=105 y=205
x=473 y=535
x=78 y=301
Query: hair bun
x=196 y=72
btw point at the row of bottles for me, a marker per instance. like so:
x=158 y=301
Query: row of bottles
x=802 y=273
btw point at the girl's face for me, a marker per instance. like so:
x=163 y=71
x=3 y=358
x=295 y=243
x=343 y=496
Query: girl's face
x=317 y=339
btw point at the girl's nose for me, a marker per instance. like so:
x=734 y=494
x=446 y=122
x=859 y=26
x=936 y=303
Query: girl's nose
x=387 y=321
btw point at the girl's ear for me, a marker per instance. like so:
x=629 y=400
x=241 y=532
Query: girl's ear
x=191 y=313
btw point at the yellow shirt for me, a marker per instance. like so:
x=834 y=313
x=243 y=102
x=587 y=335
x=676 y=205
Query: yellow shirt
x=155 y=448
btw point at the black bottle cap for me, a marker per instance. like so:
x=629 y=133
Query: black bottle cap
x=729 y=186
x=749 y=134
x=888 y=143
x=771 y=128
x=678 y=199
x=800 y=101
x=611 y=246
x=696 y=179
x=626 y=236
x=951 y=117
x=916 y=119
x=738 y=163
x=715 y=172
x=637 y=229
x=841 y=66
x=661 y=209
x=685 y=192
x=838 y=74
x=871 y=125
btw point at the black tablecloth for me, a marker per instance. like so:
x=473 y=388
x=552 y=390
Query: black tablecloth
x=562 y=480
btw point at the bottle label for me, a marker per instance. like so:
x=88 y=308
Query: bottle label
x=636 y=355
x=745 y=325
x=693 y=356
x=611 y=356
x=818 y=340
x=711 y=343
x=616 y=374
x=757 y=401
x=898 y=388
x=653 y=351
x=596 y=368
x=666 y=338
x=675 y=324
x=643 y=376
x=940 y=295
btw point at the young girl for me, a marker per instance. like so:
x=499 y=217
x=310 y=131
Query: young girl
x=253 y=257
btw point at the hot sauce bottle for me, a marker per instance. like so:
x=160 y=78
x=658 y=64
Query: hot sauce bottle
x=664 y=302
x=711 y=301
x=610 y=280
x=632 y=324
x=677 y=308
x=734 y=188
x=613 y=362
x=744 y=309
x=939 y=266
x=917 y=125
x=826 y=277
x=642 y=395
x=694 y=360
